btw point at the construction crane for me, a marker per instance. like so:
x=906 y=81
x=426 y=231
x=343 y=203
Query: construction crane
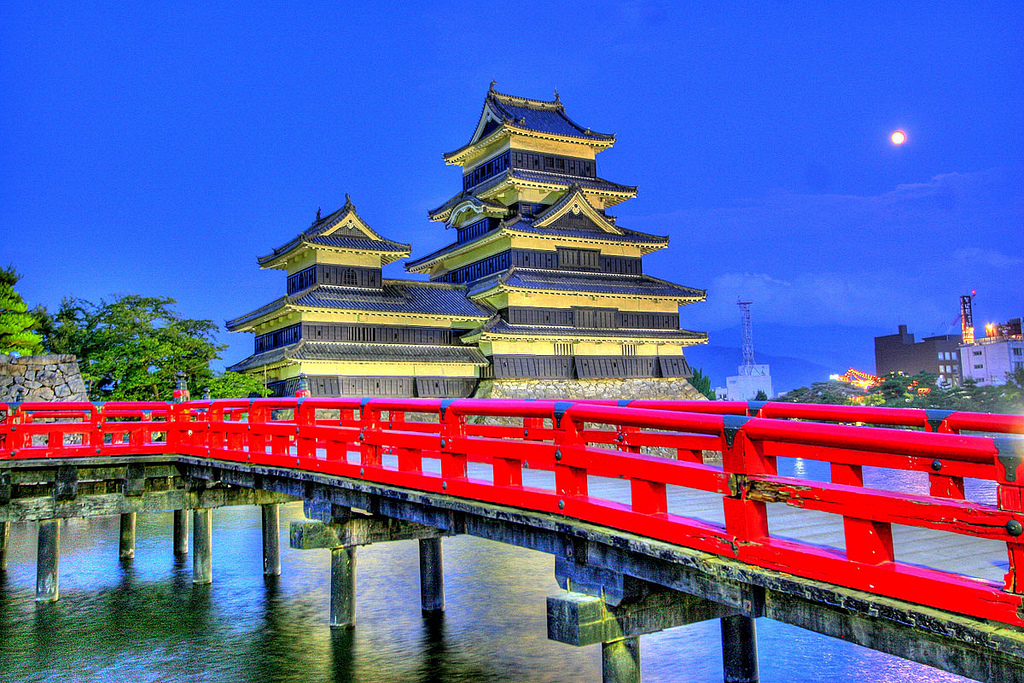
x=967 y=317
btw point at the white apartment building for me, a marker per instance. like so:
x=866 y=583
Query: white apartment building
x=988 y=360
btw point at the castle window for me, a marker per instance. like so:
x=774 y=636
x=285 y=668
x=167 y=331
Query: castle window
x=563 y=349
x=629 y=349
x=349 y=278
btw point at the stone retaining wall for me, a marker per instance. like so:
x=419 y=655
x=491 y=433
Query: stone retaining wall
x=664 y=388
x=51 y=377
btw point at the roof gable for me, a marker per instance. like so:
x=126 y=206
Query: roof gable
x=574 y=211
x=344 y=222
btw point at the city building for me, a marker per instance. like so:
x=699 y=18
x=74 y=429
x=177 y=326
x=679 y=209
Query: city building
x=989 y=359
x=540 y=281
x=937 y=355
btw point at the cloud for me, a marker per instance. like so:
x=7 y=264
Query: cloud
x=819 y=298
x=975 y=256
x=901 y=256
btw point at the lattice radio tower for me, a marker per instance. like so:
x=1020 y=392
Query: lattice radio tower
x=748 y=339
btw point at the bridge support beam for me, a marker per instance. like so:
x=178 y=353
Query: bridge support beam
x=620 y=661
x=343 y=587
x=431 y=575
x=202 y=546
x=181 y=532
x=344 y=531
x=271 y=514
x=615 y=610
x=48 y=561
x=5 y=534
x=126 y=541
x=739 y=649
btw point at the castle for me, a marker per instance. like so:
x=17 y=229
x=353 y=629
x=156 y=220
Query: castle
x=540 y=281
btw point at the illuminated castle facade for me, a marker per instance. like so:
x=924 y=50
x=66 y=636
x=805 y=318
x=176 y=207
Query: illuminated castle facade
x=540 y=281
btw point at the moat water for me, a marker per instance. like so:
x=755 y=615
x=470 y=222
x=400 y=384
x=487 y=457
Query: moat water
x=144 y=620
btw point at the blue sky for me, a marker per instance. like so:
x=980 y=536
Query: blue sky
x=159 y=149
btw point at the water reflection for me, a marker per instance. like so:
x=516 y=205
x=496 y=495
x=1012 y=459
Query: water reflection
x=144 y=620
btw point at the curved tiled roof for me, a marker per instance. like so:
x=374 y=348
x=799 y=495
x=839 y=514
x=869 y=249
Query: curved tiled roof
x=604 y=283
x=540 y=116
x=501 y=326
x=394 y=296
x=403 y=353
x=314 y=234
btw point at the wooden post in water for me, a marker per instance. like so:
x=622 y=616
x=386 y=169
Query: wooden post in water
x=47 y=561
x=431 y=575
x=620 y=661
x=5 y=533
x=739 y=649
x=202 y=545
x=126 y=543
x=181 y=532
x=343 y=586
x=271 y=539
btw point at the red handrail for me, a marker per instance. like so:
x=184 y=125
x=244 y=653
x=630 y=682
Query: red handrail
x=577 y=439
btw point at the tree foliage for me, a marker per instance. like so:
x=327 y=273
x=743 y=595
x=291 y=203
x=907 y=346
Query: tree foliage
x=16 y=323
x=702 y=383
x=132 y=347
x=236 y=385
x=919 y=391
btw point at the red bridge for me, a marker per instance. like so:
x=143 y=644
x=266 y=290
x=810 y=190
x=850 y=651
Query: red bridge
x=904 y=535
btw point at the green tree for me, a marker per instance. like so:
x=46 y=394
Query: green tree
x=132 y=347
x=702 y=383
x=761 y=396
x=16 y=323
x=236 y=385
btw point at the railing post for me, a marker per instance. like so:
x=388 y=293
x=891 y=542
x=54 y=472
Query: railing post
x=867 y=541
x=1010 y=497
x=369 y=422
x=570 y=482
x=305 y=417
x=452 y=429
x=942 y=485
x=745 y=519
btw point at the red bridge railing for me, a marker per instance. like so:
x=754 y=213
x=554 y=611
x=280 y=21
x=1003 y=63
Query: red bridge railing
x=391 y=442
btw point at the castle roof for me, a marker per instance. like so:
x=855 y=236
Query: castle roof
x=524 y=177
x=343 y=229
x=394 y=296
x=524 y=114
x=375 y=353
x=611 y=284
x=499 y=327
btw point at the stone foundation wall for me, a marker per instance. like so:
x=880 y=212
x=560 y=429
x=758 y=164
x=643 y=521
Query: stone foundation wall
x=664 y=388
x=41 y=378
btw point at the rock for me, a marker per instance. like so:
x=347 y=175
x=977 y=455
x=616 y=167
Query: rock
x=31 y=385
x=62 y=391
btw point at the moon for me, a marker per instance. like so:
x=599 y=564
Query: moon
x=898 y=137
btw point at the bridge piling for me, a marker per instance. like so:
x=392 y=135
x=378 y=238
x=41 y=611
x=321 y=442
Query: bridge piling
x=126 y=540
x=431 y=575
x=271 y=514
x=5 y=534
x=181 y=532
x=739 y=649
x=202 y=542
x=343 y=587
x=48 y=561
x=620 y=661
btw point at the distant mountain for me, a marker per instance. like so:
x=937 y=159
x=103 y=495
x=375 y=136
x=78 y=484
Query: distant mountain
x=719 y=362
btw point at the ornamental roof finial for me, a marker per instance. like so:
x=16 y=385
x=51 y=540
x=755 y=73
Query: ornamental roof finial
x=557 y=98
x=318 y=213
x=492 y=86
x=348 y=201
